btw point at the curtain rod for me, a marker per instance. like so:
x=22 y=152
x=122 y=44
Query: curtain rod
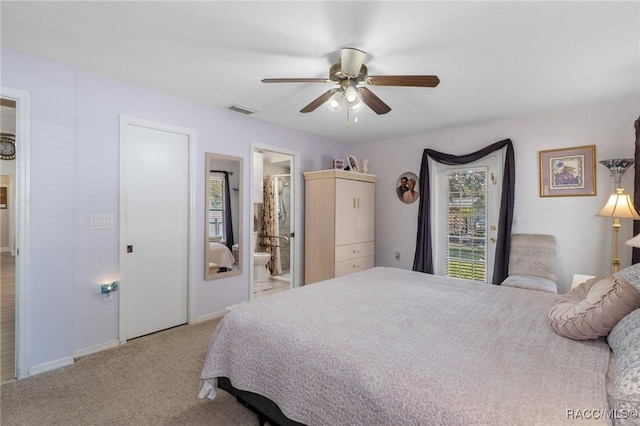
x=220 y=171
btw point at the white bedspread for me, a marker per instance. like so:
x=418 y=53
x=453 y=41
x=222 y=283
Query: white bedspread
x=394 y=347
x=220 y=255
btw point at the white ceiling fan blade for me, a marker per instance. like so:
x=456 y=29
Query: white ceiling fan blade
x=351 y=61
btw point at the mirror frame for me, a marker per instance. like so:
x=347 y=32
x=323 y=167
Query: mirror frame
x=221 y=157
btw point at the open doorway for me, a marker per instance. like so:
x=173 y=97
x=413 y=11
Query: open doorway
x=273 y=221
x=7 y=240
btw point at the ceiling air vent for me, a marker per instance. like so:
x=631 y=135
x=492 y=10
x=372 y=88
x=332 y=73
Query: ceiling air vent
x=241 y=109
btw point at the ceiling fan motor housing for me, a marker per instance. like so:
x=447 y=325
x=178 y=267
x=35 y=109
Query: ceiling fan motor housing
x=336 y=74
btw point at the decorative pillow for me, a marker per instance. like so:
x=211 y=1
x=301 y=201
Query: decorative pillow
x=530 y=283
x=631 y=274
x=624 y=340
x=593 y=308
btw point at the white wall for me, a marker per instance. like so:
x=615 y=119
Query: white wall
x=584 y=240
x=74 y=174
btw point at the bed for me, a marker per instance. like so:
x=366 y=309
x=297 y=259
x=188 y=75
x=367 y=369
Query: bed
x=393 y=347
x=220 y=257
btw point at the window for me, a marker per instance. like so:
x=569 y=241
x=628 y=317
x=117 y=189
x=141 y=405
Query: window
x=466 y=253
x=216 y=206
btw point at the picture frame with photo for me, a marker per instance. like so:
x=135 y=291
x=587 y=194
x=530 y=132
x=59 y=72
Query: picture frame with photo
x=407 y=187
x=352 y=162
x=338 y=164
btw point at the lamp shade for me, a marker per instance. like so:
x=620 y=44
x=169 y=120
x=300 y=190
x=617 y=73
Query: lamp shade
x=619 y=206
x=634 y=242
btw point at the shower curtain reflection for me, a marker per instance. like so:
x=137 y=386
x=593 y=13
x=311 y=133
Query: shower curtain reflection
x=270 y=225
x=283 y=229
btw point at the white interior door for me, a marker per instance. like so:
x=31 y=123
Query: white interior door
x=155 y=275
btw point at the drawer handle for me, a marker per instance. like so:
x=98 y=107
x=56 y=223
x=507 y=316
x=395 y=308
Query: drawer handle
x=356 y=266
x=356 y=251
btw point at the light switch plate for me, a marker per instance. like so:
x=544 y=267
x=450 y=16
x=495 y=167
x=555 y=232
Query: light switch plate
x=101 y=221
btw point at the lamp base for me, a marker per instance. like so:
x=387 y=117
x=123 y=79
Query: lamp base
x=615 y=262
x=615 y=265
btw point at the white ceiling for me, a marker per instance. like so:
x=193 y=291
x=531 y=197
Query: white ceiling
x=495 y=60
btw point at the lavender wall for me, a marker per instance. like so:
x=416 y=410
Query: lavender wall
x=584 y=240
x=74 y=173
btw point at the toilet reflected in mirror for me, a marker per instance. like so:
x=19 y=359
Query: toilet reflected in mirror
x=223 y=211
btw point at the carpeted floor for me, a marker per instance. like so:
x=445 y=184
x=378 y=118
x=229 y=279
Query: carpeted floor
x=152 y=380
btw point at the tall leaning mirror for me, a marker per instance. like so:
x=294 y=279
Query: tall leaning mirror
x=223 y=235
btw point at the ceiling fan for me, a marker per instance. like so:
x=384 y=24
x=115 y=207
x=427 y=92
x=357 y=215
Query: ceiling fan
x=348 y=74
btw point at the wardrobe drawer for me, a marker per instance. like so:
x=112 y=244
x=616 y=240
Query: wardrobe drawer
x=353 y=251
x=353 y=265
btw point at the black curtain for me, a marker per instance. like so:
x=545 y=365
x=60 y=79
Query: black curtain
x=423 y=260
x=635 y=256
x=228 y=228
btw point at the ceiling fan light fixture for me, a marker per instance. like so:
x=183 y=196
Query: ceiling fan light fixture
x=336 y=100
x=356 y=107
x=351 y=95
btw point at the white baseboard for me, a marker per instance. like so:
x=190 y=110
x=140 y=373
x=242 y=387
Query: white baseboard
x=96 y=348
x=50 y=366
x=212 y=316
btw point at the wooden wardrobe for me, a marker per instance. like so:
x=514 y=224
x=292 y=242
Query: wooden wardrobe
x=339 y=223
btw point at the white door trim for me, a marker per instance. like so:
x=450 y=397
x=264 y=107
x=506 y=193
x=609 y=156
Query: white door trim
x=296 y=179
x=126 y=121
x=494 y=163
x=23 y=225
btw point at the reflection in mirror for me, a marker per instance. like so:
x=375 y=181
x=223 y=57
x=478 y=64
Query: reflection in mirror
x=223 y=236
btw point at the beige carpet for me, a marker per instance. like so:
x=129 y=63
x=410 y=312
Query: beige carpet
x=152 y=380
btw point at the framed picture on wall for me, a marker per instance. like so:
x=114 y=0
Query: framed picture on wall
x=407 y=187
x=568 y=172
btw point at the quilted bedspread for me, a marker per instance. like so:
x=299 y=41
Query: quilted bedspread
x=220 y=255
x=394 y=347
